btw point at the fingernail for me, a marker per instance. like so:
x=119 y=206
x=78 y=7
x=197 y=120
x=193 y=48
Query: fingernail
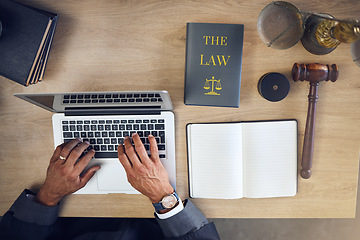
x=87 y=142
x=79 y=139
x=134 y=134
x=151 y=135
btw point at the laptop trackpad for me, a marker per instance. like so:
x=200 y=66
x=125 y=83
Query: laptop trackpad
x=112 y=177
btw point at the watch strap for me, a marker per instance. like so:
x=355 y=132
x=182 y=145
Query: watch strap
x=158 y=206
x=178 y=208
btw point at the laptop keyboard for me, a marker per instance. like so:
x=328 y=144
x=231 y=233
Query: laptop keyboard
x=112 y=98
x=105 y=135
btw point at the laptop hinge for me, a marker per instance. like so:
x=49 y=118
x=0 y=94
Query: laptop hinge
x=98 y=113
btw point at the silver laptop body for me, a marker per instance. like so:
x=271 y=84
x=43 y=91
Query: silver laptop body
x=105 y=119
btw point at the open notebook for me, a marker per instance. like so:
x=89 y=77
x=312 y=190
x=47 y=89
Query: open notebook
x=246 y=159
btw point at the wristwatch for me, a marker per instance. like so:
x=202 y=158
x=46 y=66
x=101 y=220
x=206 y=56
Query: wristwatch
x=169 y=201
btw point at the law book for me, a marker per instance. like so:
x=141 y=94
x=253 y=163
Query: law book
x=213 y=64
x=48 y=47
x=44 y=55
x=24 y=41
x=39 y=72
x=243 y=159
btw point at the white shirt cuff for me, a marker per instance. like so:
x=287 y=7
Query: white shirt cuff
x=31 y=197
x=172 y=212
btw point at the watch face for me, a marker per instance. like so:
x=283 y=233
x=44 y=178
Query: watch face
x=169 y=201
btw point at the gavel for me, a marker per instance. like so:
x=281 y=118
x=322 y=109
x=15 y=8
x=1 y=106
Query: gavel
x=313 y=73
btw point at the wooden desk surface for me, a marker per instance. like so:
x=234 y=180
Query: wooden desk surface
x=140 y=45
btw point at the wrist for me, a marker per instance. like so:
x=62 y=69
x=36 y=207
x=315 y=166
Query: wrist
x=167 y=203
x=47 y=199
x=158 y=197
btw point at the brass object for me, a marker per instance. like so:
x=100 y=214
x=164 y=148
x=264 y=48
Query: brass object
x=347 y=32
x=280 y=25
x=323 y=33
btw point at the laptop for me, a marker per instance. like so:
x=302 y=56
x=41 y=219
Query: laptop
x=105 y=119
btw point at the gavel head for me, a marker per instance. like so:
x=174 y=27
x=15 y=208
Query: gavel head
x=315 y=72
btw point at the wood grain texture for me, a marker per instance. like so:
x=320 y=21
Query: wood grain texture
x=140 y=45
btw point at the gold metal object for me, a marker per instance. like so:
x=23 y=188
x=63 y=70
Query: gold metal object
x=323 y=33
x=280 y=25
x=330 y=33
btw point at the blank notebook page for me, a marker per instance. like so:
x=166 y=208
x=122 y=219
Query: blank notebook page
x=270 y=159
x=215 y=166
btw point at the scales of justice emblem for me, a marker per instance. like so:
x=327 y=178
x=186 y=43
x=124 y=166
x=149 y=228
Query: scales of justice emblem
x=217 y=87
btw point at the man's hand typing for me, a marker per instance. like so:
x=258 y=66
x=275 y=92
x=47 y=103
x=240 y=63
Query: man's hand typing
x=63 y=174
x=146 y=174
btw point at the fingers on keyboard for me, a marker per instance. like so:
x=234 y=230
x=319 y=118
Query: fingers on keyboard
x=105 y=135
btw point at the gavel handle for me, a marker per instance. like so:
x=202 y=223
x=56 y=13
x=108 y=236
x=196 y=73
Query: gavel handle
x=308 y=147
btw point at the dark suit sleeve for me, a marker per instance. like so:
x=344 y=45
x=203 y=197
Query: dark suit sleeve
x=188 y=224
x=27 y=219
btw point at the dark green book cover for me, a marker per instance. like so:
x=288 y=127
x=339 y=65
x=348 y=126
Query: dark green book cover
x=213 y=64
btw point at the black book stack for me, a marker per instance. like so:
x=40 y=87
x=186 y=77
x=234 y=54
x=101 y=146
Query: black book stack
x=25 y=41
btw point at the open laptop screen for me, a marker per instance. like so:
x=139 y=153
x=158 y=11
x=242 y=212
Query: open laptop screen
x=42 y=100
x=100 y=101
